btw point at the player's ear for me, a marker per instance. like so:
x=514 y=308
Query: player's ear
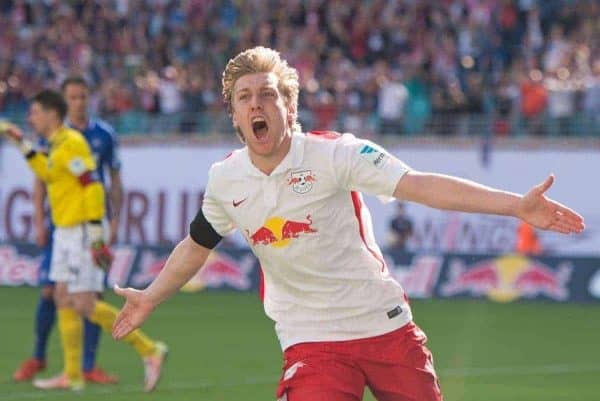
x=291 y=115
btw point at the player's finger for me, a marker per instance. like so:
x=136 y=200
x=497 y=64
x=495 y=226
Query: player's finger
x=561 y=228
x=120 y=291
x=544 y=186
x=572 y=225
x=118 y=320
x=569 y=214
x=121 y=327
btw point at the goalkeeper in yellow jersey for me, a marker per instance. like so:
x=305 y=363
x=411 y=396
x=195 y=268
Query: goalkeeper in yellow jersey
x=79 y=255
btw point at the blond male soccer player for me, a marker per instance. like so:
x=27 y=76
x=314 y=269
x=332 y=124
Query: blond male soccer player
x=76 y=200
x=343 y=322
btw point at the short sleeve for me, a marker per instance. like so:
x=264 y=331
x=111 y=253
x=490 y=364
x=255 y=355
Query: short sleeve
x=361 y=165
x=212 y=207
x=78 y=158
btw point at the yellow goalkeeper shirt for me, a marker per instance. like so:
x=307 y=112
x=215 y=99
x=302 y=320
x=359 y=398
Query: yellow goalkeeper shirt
x=74 y=194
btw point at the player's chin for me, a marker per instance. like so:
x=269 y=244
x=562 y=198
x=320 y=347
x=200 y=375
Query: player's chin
x=263 y=142
x=261 y=148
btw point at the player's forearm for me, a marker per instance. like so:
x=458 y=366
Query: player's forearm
x=38 y=162
x=39 y=195
x=185 y=260
x=452 y=193
x=116 y=196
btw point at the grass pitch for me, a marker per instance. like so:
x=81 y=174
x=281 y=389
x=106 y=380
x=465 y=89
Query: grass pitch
x=223 y=348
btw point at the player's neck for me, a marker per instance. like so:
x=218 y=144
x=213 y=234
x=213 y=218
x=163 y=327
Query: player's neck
x=52 y=129
x=79 y=122
x=268 y=163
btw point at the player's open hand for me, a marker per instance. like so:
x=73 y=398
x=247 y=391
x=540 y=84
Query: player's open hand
x=544 y=213
x=135 y=312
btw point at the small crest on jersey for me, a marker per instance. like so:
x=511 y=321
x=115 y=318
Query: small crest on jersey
x=374 y=155
x=302 y=181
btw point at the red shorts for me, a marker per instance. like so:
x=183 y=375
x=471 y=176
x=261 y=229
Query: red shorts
x=396 y=366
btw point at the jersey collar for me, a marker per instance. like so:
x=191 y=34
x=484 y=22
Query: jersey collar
x=292 y=160
x=57 y=135
x=90 y=124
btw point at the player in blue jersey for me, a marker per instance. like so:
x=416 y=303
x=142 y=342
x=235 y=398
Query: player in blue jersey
x=103 y=142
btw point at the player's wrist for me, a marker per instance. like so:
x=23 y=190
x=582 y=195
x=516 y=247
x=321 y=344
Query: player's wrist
x=26 y=147
x=95 y=231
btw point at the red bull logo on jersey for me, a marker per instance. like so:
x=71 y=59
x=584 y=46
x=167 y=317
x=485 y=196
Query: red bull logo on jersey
x=508 y=278
x=302 y=181
x=279 y=232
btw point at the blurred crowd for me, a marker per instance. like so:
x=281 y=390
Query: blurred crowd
x=376 y=66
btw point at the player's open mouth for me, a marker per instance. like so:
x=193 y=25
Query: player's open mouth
x=260 y=128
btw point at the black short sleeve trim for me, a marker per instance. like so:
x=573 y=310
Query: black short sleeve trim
x=203 y=233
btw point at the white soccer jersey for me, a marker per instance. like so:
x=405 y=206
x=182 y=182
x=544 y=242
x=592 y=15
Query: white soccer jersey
x=324 y=276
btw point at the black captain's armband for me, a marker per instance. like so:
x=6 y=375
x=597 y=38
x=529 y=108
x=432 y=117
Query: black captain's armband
x=203 y=233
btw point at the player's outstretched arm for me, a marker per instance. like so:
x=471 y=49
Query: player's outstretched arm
x=185 y=260
x=452 y=193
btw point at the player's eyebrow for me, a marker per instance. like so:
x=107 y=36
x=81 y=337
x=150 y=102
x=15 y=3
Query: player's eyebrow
x=266 y=85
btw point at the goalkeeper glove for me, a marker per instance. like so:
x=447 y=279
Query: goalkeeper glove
x=101 y=254
x=13 y=133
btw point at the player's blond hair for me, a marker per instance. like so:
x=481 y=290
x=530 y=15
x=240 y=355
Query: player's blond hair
x=262 y=59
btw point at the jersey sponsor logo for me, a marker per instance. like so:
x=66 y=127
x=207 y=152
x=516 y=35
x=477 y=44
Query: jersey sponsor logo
x=237 y=203
x=302 y=181
x=279 y=232
x=373 y=155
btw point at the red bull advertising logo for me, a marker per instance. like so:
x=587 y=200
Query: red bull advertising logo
x=220 y=270
x=279 y=232
x=508 y=278
x=17 y=269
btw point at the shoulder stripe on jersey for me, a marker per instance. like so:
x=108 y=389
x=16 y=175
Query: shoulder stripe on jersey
x=326 y=134
x=357 y=202
x=106 y=127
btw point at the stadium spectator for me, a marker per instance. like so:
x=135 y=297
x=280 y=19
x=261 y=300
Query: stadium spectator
x=400 y=229
x=528 y=242
x=111 y=42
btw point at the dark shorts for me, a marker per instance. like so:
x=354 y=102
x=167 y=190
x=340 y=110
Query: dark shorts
x=396 y=366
